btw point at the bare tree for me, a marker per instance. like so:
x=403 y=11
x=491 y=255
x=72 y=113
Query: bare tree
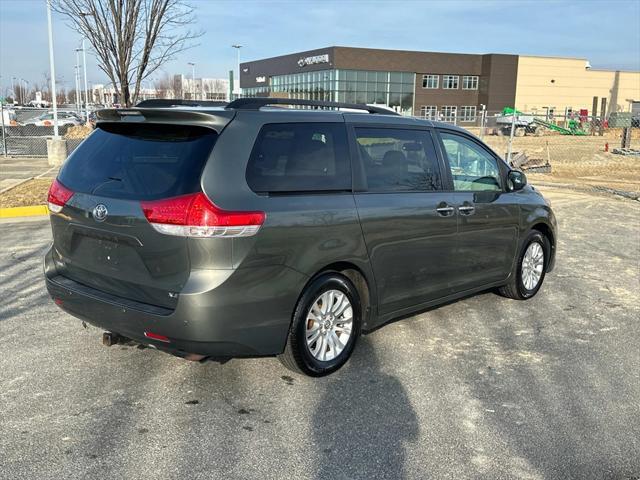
x=61 y=95
x=72 y=96
x=20 y=93
x=163 y=86
x=177 y=86
x=131 y=38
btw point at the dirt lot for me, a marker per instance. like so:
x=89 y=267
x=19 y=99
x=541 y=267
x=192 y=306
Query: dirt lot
x=578 y=160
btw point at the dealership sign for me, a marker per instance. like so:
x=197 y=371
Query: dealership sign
x=304 y=61
x=261 y=79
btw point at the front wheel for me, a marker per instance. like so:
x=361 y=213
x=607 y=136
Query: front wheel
x=530 y=268
x=325 y=326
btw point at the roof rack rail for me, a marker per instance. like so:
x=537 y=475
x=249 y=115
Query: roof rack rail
x=256 y=103
x=178 y=102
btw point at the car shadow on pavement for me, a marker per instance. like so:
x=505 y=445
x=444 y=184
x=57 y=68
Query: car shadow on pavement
x=362 y=421
x=22 y=283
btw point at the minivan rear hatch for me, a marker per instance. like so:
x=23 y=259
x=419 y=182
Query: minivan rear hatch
x=102 y=238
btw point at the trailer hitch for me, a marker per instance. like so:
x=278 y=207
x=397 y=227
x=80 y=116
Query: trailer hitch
x=111 y=338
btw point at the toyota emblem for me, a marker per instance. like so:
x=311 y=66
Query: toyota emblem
x=100 y=212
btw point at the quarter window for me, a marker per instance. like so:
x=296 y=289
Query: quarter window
x=470 y=82
x=299 y=157
x=430 y=81
x=472 y=167
x=450 y=82
x=396 y=160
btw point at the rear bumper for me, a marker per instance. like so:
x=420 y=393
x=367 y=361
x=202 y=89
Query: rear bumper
x=220 y=313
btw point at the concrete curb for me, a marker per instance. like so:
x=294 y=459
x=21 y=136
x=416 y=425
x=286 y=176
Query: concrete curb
x=31 y=211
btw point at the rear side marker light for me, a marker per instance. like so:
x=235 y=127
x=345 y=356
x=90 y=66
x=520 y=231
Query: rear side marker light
x=156 y=336
x=59 y=195
x=194 y=215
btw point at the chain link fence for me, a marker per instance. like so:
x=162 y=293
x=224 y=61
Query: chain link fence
x=25 y=131
x=572 y=148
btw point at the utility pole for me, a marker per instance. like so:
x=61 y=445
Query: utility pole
x=53 y=73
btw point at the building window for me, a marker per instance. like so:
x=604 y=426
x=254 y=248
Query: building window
x=394 y=89
x=470 y=82
x=430 y=112
x=450 y=82
x=430 y=81
x=468 y=114
x=449 y=113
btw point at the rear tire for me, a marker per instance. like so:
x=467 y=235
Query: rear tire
x=523 y=287
x=325 y=327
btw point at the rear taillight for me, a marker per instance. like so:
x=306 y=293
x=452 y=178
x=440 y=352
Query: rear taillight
x=194 y=215
x=59 y=195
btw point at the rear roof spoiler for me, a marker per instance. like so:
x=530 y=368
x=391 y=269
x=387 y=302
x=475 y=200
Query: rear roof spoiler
x=256 y=103
x=179 y=102
x=215 y=119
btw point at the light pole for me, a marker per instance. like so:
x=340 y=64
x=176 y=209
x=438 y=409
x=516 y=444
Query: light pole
x=13 y=89
x=78 y=91
x=193 y=80
x=237 y=47
x=53 y=73
x=25 y=93
x=86 y=92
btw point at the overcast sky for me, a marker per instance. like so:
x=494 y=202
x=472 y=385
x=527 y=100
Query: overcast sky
x=605 y=32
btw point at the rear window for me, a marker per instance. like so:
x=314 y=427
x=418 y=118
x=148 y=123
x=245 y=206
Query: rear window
x=139 y=162
x=300 y=157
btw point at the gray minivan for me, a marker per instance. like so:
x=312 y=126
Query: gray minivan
x=251 y=229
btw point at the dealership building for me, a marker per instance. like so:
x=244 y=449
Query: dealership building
x=446 y=86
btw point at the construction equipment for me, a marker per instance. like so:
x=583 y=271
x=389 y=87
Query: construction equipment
x=574 y=127
x=530 y=124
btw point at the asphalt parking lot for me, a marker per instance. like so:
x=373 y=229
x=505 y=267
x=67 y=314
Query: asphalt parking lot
x=481 y=388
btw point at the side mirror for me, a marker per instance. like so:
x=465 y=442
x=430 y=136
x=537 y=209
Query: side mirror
x=516 y=180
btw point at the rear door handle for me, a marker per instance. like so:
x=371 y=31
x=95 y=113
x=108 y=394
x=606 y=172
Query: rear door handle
x=445 y=211
x=466 y=209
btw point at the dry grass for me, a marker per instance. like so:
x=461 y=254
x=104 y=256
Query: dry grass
x=80 y=131
x=33 y=192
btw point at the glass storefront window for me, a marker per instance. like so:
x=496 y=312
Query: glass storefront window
x=395 y=77
x=394 y=89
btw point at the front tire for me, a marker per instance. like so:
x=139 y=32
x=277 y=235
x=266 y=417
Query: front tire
x=325 y=327
x=530 y=268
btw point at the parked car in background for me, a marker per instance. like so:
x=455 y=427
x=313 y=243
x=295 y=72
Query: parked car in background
x=251 y=230
x=8 y=117
x=92 y=119
x=46 y=120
